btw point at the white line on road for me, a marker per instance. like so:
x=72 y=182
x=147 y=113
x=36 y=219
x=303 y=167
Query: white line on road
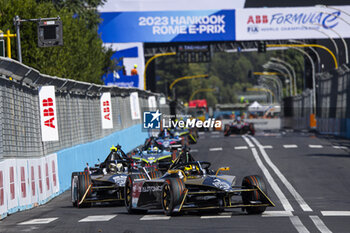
x=315 y=146
x=340 y=147
x=298 y=224
x=335 y=213
x=194 y=150
x=98 y=218
x=215 y=136
x=284 y=201
x=221 y=215
x=38 y=221
x=241 y=147
x=284 y=180
x=268 y=147
x=320 y=224
x=215 y=132
x=277 y=214
x=155 y=217
x=201 y=133
x=290 y=146
x=215 y=149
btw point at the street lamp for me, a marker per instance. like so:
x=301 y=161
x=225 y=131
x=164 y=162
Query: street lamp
x=282 y=67
x=149 y=61
x=291 y=68
x=201 y=90
x=186 y=78
x=271 y=67
x=313 y=50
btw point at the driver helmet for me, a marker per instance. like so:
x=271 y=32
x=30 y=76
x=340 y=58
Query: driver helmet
x=239 y=119
x=119 y=167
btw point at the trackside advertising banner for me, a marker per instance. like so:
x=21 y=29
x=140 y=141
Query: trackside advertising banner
x=291 y=23
x=168 y=26
x=135 y=106
x=106 y=111
x=48 y=113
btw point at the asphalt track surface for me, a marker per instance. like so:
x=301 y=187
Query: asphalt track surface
x=307 y=178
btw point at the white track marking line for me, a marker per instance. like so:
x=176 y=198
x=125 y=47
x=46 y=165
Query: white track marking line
x=221 y=215
x=315 y=146
x=277 y=214
x=250 y=144
x=98 y=218
x=268 y=147
x=215 y=132
x=38 y=221
x=194 y=150
x=320 y=224
x=285 y=203
x=335 y=213
x=155 y=217
x=215 y=136
x=298 y=224
x=241 y=147
x=295 y=194
x=340 y=147
x=290 y=146
x=201 y=133
x=215 y=149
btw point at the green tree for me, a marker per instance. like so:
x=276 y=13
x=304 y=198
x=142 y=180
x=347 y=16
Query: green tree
x=82 y=57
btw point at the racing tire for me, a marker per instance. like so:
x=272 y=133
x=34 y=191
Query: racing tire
x=247 y=197
x=74 y=189
x=227 y=130
x=251 y=129
x=172 y=195
x=128 y=194
x=84 y=181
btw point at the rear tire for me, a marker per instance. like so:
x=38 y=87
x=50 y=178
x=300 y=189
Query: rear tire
x=252 y=182
x=227 y=130
x=74 y=189
x=172 y=195
x=128 y=194
x=251 y=129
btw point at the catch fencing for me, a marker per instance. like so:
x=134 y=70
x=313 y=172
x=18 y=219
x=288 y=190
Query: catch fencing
x=78 y=111
x=332 y=104
x=32 y=170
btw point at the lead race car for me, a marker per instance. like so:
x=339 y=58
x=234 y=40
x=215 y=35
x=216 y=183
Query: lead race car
x=192 y=185
x=106 y=181
x=239 y=127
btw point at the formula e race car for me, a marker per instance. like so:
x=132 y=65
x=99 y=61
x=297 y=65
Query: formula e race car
x=239 y=127
x=106 y=181
x=154 y=155
x=168 y=140
x=192 y=185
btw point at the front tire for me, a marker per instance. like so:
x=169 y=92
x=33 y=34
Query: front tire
x=250 y=182
x=172 y=195
x=84 y=182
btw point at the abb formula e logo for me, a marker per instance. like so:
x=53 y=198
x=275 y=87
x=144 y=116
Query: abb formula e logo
x=254 y=20
x=48 y=113
x=257 y=19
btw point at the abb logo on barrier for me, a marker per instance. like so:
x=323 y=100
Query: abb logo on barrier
x=49 y=112
x=1 y=189
x=258 y=19
x=106 y=110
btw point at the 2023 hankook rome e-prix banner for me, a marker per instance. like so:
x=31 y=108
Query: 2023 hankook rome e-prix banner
x=224 y=25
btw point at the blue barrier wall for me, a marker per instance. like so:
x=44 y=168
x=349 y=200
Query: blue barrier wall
x=75 y=158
